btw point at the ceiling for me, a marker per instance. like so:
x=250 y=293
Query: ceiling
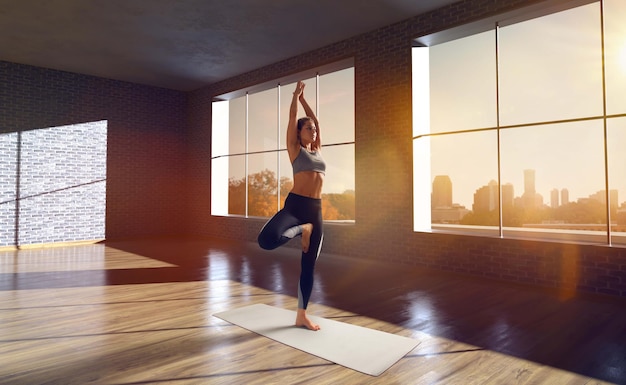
x=184 y=44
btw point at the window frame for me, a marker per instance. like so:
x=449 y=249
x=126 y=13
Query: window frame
x=314 y=73
x=421 y=138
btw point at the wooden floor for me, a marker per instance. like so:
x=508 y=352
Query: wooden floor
x=141 y=313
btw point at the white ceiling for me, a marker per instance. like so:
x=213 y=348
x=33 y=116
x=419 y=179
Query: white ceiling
x=184 y=44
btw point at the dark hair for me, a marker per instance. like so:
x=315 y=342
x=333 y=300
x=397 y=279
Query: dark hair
x=301 y=122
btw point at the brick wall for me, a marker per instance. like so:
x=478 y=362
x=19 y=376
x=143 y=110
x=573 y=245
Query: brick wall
x=383 y=228
x=59 y=174
x=8 y=174
x=145 y=159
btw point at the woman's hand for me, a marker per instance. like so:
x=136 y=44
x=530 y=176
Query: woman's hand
x=299 y=92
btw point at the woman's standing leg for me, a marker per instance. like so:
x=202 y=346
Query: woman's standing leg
x=307 y=263
x=299 y=215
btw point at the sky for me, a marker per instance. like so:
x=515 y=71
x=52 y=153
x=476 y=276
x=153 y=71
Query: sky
x=549 y=69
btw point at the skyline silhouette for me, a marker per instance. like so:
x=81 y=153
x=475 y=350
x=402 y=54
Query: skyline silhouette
x=487 y=198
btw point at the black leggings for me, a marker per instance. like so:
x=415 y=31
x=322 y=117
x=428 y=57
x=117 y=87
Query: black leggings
x=285 y=225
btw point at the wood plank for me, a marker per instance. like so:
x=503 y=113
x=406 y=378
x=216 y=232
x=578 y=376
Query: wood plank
x=141 y=312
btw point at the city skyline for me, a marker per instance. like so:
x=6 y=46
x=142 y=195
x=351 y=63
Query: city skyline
x=443 y=193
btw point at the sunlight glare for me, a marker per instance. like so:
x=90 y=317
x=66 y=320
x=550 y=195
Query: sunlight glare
x=219 y=166
x=421 y=146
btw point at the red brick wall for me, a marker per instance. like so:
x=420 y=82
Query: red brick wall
x=383 y=227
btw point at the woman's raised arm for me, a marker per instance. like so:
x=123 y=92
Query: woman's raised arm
x=309 y=112
x=293 y=143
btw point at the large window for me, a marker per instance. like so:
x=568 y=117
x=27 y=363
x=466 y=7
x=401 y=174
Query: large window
x=519 y=129
x=251 y=172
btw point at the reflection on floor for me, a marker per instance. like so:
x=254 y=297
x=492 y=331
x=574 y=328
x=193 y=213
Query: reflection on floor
x=141 y=312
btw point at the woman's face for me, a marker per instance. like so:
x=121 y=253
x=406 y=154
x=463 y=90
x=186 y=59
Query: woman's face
x=308 y=134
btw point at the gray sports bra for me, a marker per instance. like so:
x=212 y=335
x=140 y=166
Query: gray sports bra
x=309 y=161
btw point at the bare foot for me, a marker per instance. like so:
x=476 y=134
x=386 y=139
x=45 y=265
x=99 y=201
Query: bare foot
x=304 y=321
x=307 y=229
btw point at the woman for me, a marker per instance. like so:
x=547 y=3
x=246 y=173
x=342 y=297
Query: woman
x=301 y=214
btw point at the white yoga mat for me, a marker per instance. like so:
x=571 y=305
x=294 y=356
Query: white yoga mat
x=365 y=350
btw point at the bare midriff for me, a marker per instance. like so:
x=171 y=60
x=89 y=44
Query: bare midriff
x=308 y=184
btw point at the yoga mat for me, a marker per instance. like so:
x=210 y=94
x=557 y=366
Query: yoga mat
x=362 y=349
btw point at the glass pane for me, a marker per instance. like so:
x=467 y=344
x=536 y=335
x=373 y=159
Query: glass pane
x=237 y=185
x=615 y=51
x=551 y=67
x=237 y=125
x=336 y=112
x=286 y=94
x=556 y=174
x=219 y=128
x=616 y=135
x=219 y=185
x=263 y=121
x=464 y=181
x=262 y=184
x=420 y=95
x=463 y=80
x=219 y=161
x=339 y=195
x=421 y=184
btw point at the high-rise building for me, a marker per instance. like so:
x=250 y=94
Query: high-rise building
x=442 y=192
x=508 y=195
x=530 y=198
x=554 y=198
x=600 y=196
x=529 y=182
x=486 y=197
x=564 y=196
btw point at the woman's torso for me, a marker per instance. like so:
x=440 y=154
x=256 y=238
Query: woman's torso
x=309 y=172
x=308 y=184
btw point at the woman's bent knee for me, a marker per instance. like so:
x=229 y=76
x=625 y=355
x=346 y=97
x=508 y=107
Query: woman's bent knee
x=265 y=243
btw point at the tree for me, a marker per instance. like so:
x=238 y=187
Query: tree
x=262 y=187
x=262 y=200
x=342 y=203
x=237 y=196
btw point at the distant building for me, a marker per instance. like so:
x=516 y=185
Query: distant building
x=529 y=182
x=508 y=195
x=600 y=196
x=530 y=198
x=564 y=196
x=554 y=198
x=442 y=208
x=486 y=197
x=442 y=192
x=451 y=215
